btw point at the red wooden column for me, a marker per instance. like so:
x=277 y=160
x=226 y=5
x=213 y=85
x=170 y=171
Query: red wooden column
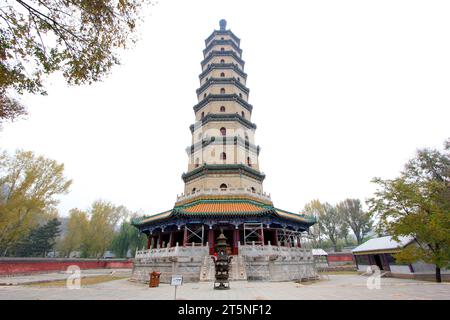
x=149 y=241
x=262 y=235
x=235 y=241
x=211 y=241
x=185 y=238
x=275 y=237
x=171 y=239
x=298 y=242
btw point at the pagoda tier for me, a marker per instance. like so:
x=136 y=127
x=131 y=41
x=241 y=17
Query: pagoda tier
x=223 y=66
x=225 y=98
x=218 y=44
x=219 y=140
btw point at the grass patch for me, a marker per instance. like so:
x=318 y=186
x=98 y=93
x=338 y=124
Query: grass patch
x=84 y=281
x=308 y=282
x=344 y=272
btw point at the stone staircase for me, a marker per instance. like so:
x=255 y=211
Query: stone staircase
x=207 y=269
x=237 y=269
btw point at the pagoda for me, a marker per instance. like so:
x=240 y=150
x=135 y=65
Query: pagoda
x=223 y=185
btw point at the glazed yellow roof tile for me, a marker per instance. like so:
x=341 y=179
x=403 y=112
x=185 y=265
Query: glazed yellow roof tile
x=289 y=215
x=157 y=216
x=224 y=207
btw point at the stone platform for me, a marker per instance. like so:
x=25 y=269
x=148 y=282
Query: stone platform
x=266 y=263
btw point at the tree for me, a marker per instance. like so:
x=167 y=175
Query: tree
x=40 y=241
x=127 y=239
x=10 y=109
x=29 y=185
x=330 y=223
x=104 y=217
x=417 y=204
x=343 y=229
x=314 y=209
x=77 y=229
x=46 y=238
x=359 y=221
x=79 y=38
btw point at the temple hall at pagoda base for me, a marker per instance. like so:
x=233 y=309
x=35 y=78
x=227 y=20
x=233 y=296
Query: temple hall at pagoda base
x=266 y=242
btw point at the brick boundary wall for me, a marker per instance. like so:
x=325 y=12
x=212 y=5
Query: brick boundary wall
x=16 y=266
x=338 y=268
x=340 y=258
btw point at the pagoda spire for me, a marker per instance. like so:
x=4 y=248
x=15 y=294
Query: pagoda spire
x=223 y=24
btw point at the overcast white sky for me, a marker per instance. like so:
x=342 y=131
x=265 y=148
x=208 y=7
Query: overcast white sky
x=342 y=91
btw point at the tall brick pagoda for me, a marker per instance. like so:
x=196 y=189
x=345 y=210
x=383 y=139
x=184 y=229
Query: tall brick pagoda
x=223 y=184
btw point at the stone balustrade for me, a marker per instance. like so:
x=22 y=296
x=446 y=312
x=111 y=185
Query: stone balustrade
x=274 y=252
x=176 y=251
x=230 y=191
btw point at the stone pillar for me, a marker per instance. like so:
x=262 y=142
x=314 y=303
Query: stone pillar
x=211 y=240
x=185 y=237
x=236 y=239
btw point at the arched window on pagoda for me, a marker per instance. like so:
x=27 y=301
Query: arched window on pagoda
x=222 y=61
x=193 y=190
x=204 y=96
x=197 y=162
x=222 y=90
x=222 y=109
x=223 y=156
x=223 y=187
x=203 y=115
x=240 y=95
x=222 y=74
x=223 y=131
x=243 y=114
x=239 y=79
x=249 y=162
x=252 y=188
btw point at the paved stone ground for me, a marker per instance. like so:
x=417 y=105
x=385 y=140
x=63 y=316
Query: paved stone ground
x=334 y=287
x=45 y=277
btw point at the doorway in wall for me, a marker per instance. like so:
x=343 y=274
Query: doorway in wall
x=378 y=261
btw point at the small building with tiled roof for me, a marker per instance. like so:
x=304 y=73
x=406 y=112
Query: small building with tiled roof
x=381 y=252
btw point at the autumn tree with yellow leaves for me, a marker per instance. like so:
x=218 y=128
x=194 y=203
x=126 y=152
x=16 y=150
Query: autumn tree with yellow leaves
x=29 y=185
